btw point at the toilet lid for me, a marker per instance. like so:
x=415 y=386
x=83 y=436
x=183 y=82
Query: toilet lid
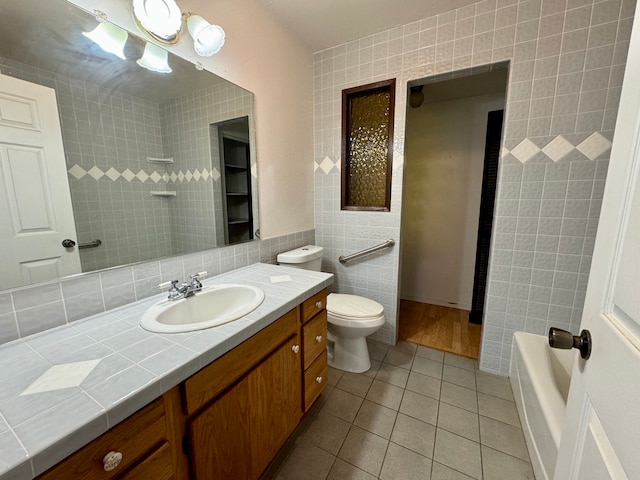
x=353 y=306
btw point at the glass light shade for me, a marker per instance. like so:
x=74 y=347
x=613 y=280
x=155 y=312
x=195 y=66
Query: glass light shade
x=155 y=59
x=159 y=18
x=207 y=39
x=109 y=38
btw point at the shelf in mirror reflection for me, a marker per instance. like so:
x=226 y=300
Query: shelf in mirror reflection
x=163 y=194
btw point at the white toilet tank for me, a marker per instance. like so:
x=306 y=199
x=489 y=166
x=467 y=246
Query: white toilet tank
x=308 y=257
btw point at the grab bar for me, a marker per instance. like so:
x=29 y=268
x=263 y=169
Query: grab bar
x=96 y=243
x=389 y=243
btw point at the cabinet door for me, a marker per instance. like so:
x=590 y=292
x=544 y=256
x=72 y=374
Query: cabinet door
x=220 y=442
x=237 y=436
x=275 y=393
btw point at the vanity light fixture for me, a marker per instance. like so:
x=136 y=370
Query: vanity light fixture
x=109 y=38
x=161 y=21
x=207 y=39
x=155 y=59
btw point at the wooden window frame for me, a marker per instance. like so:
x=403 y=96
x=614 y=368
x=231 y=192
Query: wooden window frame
x=347 y=95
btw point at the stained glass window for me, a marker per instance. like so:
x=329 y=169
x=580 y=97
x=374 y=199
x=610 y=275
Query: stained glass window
x=367 y=146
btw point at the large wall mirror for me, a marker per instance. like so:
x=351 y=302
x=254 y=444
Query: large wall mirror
x=143 y=167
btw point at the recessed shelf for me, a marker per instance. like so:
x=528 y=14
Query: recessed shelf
x=236 y=182
x=160 y=160
x=163 y=193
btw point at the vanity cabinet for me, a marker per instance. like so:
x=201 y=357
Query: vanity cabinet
x=257 y=395
x=239 y=432
x=228 y=420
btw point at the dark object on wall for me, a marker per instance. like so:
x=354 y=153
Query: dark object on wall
x=367 y=146
x=487 y=201
x=416 y=97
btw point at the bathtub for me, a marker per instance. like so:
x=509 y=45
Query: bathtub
x=540 y=378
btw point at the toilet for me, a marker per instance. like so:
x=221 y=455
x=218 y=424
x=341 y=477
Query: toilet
x=350 y=318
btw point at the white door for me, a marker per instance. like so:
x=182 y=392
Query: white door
x=35 y=203
x=601 y=439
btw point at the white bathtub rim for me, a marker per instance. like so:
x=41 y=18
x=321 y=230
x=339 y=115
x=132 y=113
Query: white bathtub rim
x=553 y=405
x=535 y=456
x=531 y=374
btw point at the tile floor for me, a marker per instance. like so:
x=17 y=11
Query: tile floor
x=417 y=414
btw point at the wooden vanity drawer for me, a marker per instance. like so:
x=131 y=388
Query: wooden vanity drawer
x=133 y=438
x=314 y=338
x=315 y=379
x=312 y=306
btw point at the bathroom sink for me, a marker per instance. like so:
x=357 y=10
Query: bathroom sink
x=214 y=305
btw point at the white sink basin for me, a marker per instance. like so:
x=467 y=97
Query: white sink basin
x=214 y=305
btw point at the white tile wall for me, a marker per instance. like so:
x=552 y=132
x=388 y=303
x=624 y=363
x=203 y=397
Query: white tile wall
x=566 y=60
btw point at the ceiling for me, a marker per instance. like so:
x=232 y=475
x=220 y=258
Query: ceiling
x=322 y=24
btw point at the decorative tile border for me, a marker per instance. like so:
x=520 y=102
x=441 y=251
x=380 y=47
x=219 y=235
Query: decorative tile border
x=326 y=165
x=112 y=174
x=559 y=148
x=556 y=150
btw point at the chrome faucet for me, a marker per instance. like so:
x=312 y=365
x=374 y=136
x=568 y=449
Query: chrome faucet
x=186 y=290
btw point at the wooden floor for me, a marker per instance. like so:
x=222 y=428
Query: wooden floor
x=442 y=328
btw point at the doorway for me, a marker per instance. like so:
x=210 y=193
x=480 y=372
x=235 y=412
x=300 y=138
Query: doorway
x=449 y=184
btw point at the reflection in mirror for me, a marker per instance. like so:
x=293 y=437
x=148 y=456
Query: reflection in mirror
x=138 y=149
x=234 y=149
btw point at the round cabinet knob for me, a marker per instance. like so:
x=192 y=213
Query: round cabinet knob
x=319 y=338
x=319 y=379
x=111 y=460
x=319 y=304
x=295 y=348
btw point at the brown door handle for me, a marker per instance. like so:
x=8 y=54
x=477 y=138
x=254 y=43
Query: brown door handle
x=68 y=243
x=566 y=340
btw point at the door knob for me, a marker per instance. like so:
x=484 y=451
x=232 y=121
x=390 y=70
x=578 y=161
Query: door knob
x=566 y=340
x=68 y=243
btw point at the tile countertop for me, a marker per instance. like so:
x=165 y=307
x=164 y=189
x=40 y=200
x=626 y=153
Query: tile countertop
x=134 y=367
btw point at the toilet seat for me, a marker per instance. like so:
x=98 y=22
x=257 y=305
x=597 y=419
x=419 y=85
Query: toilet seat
x=353 y=307
x=353 y=311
